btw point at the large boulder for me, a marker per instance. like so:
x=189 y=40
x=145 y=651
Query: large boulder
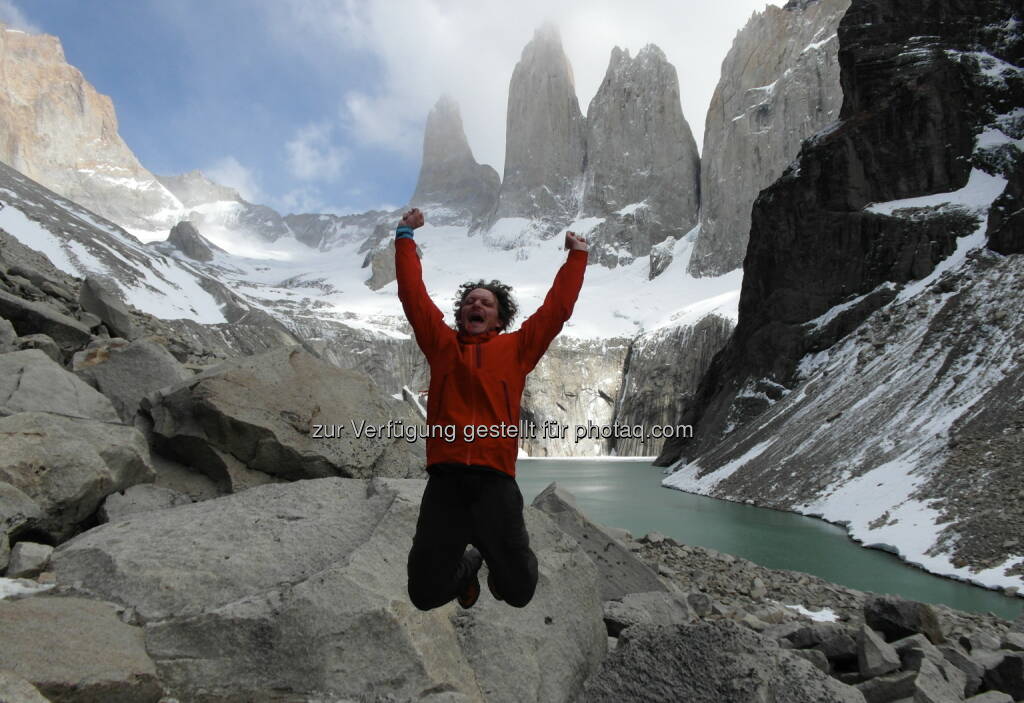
x=127 y=373
x=31 y=318
x=897 y=617
x=709 y=663
x=287 y=414
x=300 y=589
x=30 y=381
x=74 y=649
x=65 y=466
x=98 y=297
x=620 y=572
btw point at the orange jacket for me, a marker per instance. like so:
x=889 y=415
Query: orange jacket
x=477 y=380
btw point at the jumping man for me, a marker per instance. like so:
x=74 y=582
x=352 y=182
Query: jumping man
x=477 y=374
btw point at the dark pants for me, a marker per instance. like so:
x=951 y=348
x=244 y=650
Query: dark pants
x=462 y=506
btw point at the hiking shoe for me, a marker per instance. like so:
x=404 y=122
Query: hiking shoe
x=490 y=586
x=469 y=596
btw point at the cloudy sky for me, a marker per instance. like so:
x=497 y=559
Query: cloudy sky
x=319 y=105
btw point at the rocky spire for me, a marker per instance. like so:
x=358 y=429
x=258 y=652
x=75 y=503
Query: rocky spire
x=779 y=86
x=545 y=135
x=452 y=185
x=643 y=168
x=56 y=129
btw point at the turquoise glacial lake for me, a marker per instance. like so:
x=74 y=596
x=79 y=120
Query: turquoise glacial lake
x=628 y=494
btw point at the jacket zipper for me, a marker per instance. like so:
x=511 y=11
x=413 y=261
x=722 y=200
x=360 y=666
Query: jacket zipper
x=469 y=445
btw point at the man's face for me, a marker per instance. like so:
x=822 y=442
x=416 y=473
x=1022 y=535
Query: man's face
x=479 y=312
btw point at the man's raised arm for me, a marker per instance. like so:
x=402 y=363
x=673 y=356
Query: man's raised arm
x=425 y=318
x=544 y=325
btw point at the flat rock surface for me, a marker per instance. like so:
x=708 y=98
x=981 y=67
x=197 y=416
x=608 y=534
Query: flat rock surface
x=300 y=588
x=74 y=649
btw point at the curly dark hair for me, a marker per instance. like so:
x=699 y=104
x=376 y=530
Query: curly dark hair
x=507 y=306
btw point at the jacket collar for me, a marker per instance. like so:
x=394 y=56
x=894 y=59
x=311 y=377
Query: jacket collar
x=477 y=338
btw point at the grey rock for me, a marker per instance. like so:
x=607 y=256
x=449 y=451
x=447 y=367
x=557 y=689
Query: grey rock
x=126 y=374
x=93 y=322
x=301 y=587
x=15 y=689
x=97 y=297
x=57 y=291
x=709 y=662
x=74 y=649
x=620 y=572
x=874 y=656
x=779 y=85
x=7 y=335
x=186 y=238
x=915 y=649
x=28 y=560
x=32 y=382
x=700 y=603
x=143 y=498
x=892 y=687
x=836 y=641
x=815 y=657
x=1007 y=675
x=1014 y=641
x=545 y=144
x=16 y=510
x=655 y=608
x=897 y=617
x=932 y=686
x=990 y=697
x=67 y=466
x=262 y=410
x=39 y=318
x=42 y=342
x=452 y=187
x=643 y=168
x=971 y=669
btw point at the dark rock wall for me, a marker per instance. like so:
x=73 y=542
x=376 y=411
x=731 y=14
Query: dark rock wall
x=917 y=91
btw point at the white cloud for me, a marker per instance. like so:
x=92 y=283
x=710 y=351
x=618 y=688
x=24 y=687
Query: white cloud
x=230 y=172
x=15 y=18
x=468 y=48
x=312 y=155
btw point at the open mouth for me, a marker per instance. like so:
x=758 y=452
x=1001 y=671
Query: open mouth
x=476 y=318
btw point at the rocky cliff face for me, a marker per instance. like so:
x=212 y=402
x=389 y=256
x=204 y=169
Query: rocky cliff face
x=856 y=237
x=779 y=85
x=643 y=169
x=545 y=142
x=56 y=129
x=576 y=383
x=452 y=187
x=660 y=377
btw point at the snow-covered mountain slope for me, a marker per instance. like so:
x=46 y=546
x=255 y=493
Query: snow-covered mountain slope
x=81 y=243
x=909 y=432
x=295 y=283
